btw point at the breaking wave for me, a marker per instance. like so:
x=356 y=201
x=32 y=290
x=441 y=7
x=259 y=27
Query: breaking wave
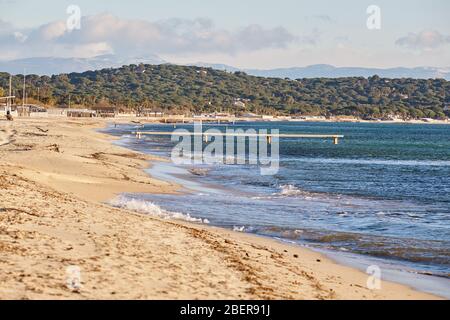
x=152 y=209
x=239 y=229
x=287 y=190
x=291 y=190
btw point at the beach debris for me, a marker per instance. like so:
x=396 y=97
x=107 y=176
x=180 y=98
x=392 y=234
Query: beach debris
x=34 y=134
x=18 y=211
x=23 y=147
x=42 y=130
x=53 y=147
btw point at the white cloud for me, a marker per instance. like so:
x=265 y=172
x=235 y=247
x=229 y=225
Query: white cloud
x=51 y=31
x=175 y=35
x=106 y=33
x=425 y=40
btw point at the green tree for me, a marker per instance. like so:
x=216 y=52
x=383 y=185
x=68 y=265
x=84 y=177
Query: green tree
x=194 y=89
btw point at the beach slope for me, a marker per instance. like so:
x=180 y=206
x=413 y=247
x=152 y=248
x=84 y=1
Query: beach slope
x=56 y=177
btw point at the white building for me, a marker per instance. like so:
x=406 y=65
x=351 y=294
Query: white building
x=239 y=104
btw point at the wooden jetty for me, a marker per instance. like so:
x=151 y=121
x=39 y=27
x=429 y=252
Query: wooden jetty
x=268 y=136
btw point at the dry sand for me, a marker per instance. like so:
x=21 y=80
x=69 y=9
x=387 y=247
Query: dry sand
x=55 y=176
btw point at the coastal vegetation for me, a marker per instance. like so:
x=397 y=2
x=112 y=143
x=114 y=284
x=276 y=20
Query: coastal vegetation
x=189 y=89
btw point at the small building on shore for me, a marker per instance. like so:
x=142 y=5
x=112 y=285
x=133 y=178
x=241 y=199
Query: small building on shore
x=80 y=113
x=216 y=115
x=106 y=112
x=56 y=112
x=31 y=110
x=150 y=113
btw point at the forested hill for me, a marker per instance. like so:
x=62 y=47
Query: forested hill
x=195 y=89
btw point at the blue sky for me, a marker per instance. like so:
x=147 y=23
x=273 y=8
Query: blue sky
x=245 y=33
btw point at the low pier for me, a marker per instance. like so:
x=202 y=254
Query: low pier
x=268 y=136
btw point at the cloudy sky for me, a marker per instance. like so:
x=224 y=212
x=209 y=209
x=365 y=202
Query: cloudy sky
x=242 y=33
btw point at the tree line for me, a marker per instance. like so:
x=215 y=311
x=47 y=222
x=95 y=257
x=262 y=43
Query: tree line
x=188 y=89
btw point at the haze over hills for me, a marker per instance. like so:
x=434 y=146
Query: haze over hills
x=329 y=71
x=51 y=66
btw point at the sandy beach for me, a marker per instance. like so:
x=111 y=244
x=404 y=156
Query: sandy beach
x=56 y=178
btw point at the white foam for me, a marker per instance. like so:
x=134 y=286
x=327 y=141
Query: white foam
x=290 y=190
x=287 y=190
x=239 y=229
x=147 y=207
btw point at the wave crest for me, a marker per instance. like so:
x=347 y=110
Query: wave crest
x=291 y=190
x=146 y=207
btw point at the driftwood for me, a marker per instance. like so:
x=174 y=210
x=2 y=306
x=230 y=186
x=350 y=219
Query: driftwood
x=42 y=130
x=53 y=147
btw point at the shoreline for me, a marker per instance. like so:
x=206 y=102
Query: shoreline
x=175 y=118
x=393 y=270
x=229 y=265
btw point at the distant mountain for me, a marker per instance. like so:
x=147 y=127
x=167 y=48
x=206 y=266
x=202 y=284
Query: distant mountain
x=51 y=66
x=329 y=71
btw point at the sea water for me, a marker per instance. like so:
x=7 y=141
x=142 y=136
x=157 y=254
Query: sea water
x=382 y=193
